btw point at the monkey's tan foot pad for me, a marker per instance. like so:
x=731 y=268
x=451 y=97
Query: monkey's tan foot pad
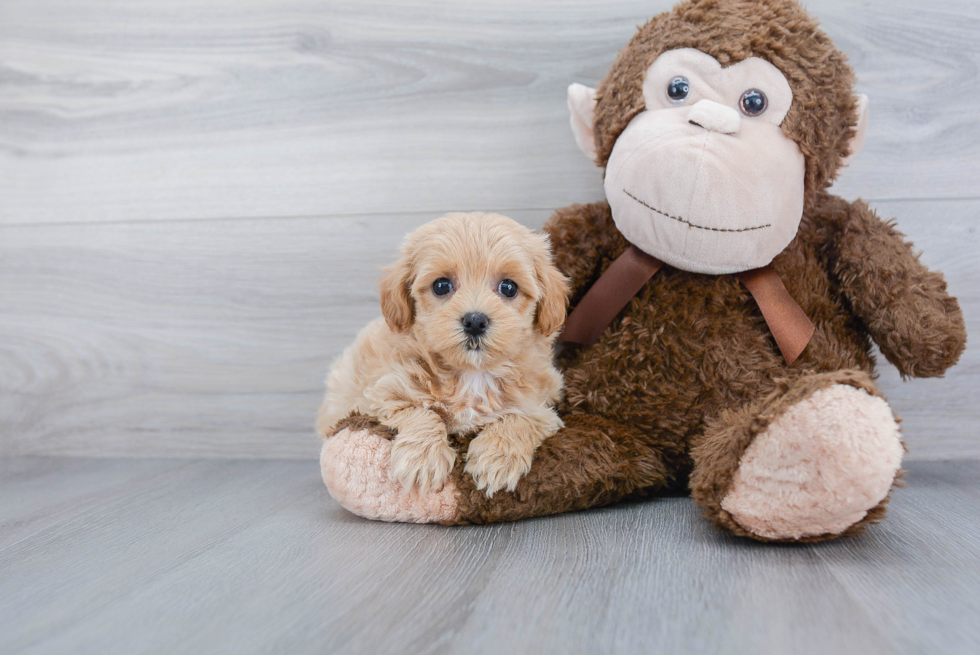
x=818 y=468
x=356 y=467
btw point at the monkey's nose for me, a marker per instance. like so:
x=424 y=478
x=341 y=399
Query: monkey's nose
x=715 y=117
x=475 y=324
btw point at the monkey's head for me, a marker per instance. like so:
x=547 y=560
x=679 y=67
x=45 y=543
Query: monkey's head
x=717 y=126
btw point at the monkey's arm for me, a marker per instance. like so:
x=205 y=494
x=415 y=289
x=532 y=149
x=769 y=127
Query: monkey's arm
x=918 y=326
x=584 y=241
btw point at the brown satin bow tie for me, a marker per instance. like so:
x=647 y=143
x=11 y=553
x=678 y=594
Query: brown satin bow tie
x=626 y=276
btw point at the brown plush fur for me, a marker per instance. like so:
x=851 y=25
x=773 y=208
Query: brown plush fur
x=687 y=375
x=361 y=422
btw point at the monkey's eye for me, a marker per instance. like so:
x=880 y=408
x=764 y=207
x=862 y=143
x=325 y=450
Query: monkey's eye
x=442 y=286
x=507 y=288
x=753 y=102
x=678 y=89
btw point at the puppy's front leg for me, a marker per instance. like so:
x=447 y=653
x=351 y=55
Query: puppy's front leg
x=501 y=455
x=421 y=453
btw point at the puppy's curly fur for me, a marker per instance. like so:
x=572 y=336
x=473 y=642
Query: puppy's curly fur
x=418 y=371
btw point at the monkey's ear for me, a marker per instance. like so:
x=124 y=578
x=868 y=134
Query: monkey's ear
x=857 y=141
x=396 y=297
x=581 y=102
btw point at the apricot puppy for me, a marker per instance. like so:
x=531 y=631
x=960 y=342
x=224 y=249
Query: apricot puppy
x=471 y=310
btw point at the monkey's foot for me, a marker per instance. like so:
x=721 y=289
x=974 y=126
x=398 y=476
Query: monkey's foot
x=356 y=467
x=817 y=469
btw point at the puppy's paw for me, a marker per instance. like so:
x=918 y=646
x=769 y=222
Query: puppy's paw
x=424 y=459
x=497 y=461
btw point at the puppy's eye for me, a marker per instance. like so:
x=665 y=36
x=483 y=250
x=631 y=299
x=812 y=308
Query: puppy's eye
x=442 y=286
x=753 y=102
x=678 y=89
x=507 y=288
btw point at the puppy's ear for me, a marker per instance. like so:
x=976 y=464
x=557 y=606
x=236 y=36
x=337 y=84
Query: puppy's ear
x=396 y=297
x=555 y=289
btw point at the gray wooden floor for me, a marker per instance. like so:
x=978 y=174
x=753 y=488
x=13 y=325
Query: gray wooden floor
x=172 y=556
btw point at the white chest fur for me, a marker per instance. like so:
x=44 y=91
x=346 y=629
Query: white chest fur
x=474 y=401
x=477 y=385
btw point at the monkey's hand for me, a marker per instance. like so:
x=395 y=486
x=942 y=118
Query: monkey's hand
x=916 y=323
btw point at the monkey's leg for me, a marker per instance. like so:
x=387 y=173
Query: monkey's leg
x=812 y=460
x=592 y=461
x=356 y=467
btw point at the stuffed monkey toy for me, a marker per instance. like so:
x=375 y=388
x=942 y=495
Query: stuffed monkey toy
x=724 y=303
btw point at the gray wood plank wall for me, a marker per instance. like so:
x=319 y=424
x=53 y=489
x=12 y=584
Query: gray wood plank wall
x=195 y=197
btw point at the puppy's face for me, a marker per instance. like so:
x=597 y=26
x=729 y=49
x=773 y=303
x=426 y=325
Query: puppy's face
x=475 y=289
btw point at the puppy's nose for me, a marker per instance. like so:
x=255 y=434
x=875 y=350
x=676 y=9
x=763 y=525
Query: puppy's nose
x=475 y=324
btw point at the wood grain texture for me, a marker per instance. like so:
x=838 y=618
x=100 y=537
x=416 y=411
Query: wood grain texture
x=182 y=338
x=212 y=339
x=36 y=497
x=254 y=557
x=195 y=199
x=263 y=108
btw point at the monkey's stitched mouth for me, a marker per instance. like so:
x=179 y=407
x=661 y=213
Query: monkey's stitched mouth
x=690 y=224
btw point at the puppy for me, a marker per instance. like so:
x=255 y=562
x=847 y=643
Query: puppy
x=471 y=310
